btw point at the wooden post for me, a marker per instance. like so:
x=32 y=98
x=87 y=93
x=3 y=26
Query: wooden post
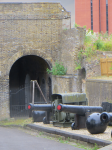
x=101 y=66
x=40 y=91
x=107 y=67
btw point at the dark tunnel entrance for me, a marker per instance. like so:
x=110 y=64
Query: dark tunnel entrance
x=24 y=70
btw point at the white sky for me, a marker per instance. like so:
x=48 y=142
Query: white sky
x=67 y=4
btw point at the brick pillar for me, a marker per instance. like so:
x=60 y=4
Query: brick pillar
x=4 y=99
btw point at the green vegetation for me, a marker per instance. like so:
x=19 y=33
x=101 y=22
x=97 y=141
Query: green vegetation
x=111 y=66
x=57 y=69
x=76 y=25
x=93 y=42
x=41 y=133
x=87 y=148
x=84 y=26
x=78 y=66
x=98 y=41
x=79 y=60
x=62 y=141
x=77 y=144
x=16 y=122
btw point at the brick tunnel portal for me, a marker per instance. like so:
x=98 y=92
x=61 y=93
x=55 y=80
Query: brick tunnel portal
x=24 y=70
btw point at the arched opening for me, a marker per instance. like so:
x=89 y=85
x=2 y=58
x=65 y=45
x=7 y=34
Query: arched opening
x=83 y=73
x=81 y=80
x=83 y=76
x=27 y=68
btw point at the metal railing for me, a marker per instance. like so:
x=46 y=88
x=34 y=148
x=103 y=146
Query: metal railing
x=19 y=100
x=18 y=111
x=18 y=108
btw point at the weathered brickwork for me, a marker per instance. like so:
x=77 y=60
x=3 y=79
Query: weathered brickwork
x=62 y=84
x=92 y=67
x=28 y=27
x=39 y=29
x=4 y=99
x=98 y=91
x=72 y=40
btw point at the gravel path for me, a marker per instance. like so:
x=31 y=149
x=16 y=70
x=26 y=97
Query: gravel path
x=105 y=136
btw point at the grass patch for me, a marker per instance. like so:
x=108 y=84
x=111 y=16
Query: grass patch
x=18 y=122
x=62 y=141
x=87 y=148
x=67 y=141
x=41 y=133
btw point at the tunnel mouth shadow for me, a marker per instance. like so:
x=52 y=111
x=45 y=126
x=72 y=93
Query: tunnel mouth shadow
x=24 y=70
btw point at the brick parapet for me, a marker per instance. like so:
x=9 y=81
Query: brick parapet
x=33 y=11
x=62 y=84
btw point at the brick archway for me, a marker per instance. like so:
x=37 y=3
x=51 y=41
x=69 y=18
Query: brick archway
x=20 y=54
x=27 y=65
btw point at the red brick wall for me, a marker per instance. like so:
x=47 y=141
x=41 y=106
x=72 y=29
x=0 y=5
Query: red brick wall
x=103 y=15
x=110 y=16
x=96 y=15
x=83 y=13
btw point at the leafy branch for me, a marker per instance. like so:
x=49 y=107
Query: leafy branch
x=57 y=69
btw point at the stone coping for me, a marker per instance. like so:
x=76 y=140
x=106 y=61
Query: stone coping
x=79 y=137
x=64 y=76
x=99 y=80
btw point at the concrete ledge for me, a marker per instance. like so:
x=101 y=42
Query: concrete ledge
x=79 y=137
x=99 y=80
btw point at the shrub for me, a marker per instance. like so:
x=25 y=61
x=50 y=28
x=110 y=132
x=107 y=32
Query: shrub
x=107 y=46
x=99 y=44
x=89 y=52
x=90 y=38
x=78 y=66
x=76 y=25
x=84 y=26
x=57 y=69
x=87 y=40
